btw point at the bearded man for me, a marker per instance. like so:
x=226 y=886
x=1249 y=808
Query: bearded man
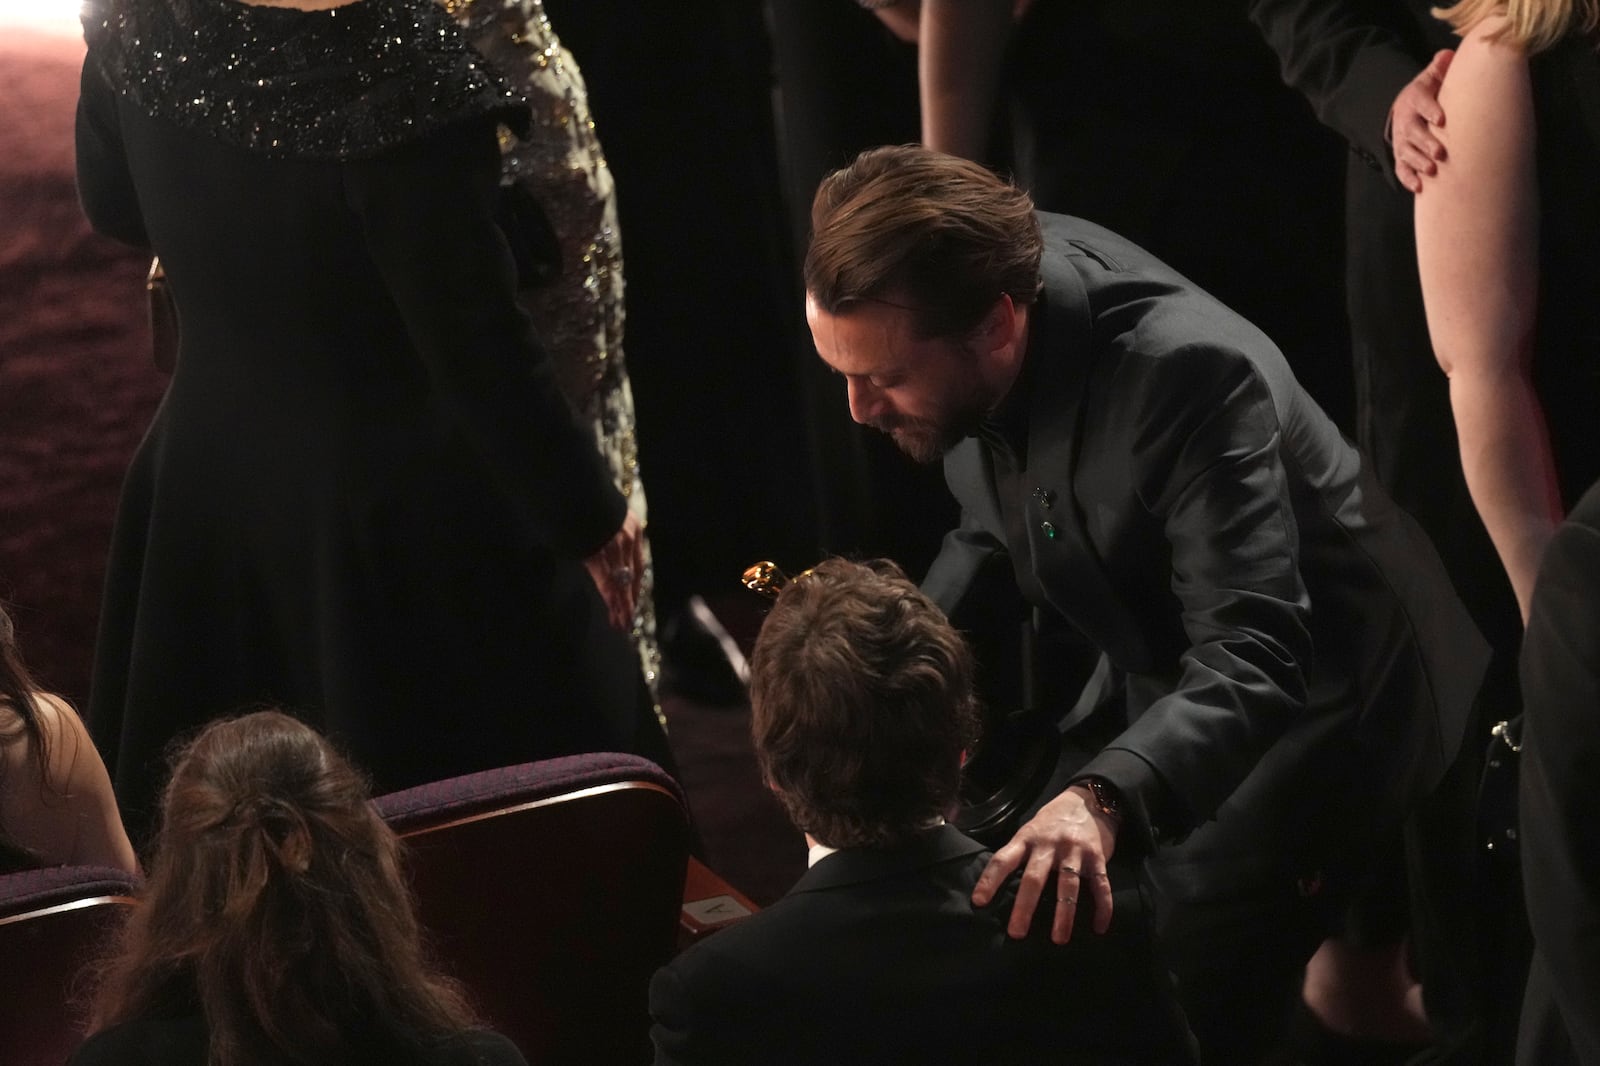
x=1293 y=670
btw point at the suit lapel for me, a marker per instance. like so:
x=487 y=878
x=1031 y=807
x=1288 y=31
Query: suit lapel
x=1064 y=559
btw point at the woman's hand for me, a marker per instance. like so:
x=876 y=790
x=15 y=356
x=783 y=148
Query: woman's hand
x=1413 y=117
x=617 y=569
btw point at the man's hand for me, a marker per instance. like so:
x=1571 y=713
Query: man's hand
x=616 y=570
x=1066 y=845
x=1413 y=117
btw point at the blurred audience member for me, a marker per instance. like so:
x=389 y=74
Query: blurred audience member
x=1560 y=807
x=862 y=714
x=364 y=496
x=56 y=804
x=1507 y=232
x=275 y=925
x=1372 y=73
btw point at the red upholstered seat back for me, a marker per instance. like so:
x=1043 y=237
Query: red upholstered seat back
x=52 y=922
x=552 y=891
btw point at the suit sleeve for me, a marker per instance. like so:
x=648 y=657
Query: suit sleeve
x=1205 y=462
x=1349 y=58
x=964 y=555
x=1560 y=758
x=671 y=1019
x=105 y=185
x=428 y=213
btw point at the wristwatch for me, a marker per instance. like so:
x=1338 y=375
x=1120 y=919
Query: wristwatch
x=1106 y=796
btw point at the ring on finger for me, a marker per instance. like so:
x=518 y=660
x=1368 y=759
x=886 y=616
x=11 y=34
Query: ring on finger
x=1068 y=868
x=1066 y=899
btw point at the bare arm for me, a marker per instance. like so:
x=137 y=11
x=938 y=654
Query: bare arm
x=1477 y=250
x=70 y=815
x=901 y=18
x=960 y=64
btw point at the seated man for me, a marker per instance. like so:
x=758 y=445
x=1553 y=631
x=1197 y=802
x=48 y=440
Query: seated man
x=862 y=713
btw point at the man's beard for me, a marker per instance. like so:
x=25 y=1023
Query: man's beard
x=925 y=440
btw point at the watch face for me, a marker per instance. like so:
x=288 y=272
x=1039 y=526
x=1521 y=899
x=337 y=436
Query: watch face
x=1105 y=796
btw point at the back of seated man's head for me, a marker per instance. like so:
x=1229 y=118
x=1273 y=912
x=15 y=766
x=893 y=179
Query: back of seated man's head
x=862 y=705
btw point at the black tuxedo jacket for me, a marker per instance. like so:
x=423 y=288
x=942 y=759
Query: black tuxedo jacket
x=1294 y=652
x=878 y=957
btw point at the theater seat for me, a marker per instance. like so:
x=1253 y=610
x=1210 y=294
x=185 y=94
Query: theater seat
x=552 y=890
x=52 y=922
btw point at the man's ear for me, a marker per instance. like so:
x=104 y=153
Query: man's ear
x=1000 y=324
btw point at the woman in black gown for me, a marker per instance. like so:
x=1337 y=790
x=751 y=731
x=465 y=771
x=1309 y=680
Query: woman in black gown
x=363 y=497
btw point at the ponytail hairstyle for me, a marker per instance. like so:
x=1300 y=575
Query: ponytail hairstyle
x=275 y=904
x=1531 y=25
x=18 y=693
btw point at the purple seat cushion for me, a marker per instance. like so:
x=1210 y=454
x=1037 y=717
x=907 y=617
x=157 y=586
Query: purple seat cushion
x=487 y=790
x=47 y=886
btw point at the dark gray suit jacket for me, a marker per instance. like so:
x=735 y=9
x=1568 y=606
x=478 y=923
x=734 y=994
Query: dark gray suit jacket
x=1560 y=811
x=1295 y=655
x=878 y=957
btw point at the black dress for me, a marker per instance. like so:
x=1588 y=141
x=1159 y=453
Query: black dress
x=1566 y=367
x=363 y=497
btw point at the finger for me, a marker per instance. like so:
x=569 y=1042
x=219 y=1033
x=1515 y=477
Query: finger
x=638 y=565
x=1439 y=65
x=1429 y=81
x=1001 y=863
x=1069 y=885
x=1099 y=887
x=1408 y=177
x=1420 y=139
x=613 y=604
x=1035 y=877
x=1420 y=164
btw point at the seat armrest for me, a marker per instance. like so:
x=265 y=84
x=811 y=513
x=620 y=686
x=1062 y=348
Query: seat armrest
x=709 y=904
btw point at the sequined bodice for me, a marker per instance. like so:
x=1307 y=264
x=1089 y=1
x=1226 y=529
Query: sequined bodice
x=335 y=84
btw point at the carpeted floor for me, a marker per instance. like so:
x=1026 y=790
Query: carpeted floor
x=76 y=383
x=76 y=390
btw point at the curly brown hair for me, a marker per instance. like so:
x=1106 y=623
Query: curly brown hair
x=939 y=234
x=862 y=704
x=275 y=903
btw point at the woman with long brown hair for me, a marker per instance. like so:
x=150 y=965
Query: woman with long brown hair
x=276 y=926
x=56 y=805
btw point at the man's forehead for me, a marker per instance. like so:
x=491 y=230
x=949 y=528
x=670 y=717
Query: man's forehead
x=864 y=338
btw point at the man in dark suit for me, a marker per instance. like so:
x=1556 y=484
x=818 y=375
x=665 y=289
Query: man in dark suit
x=1560 y=812
x=1295 y=668
x=862 y=711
